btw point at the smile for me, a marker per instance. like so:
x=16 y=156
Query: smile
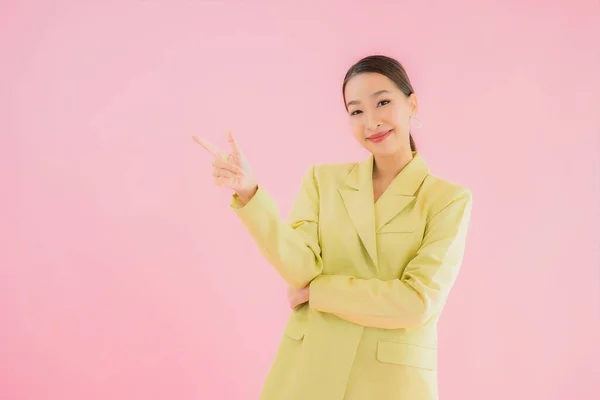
x=380 y=136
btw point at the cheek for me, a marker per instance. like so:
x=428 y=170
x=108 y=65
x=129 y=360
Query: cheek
x=394 y=115
x=357 y=128
x=399 y=117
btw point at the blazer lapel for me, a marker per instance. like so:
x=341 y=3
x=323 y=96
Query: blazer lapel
x=357 y=195
x=366 y=215
x=401 y=192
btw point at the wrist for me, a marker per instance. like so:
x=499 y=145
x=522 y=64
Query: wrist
x=246 y=195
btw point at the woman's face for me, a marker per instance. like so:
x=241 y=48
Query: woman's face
x=379 y=113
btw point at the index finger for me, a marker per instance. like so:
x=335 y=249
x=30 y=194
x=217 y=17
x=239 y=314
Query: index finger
x=208 y=146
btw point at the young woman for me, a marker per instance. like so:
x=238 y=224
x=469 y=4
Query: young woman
x=370 y=253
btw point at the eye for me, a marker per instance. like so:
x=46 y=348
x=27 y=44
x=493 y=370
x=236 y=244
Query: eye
x=383 y=103
x=355 y=112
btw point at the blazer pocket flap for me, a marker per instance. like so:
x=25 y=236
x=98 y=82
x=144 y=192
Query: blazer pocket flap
x=294 y=330
x=411 y=355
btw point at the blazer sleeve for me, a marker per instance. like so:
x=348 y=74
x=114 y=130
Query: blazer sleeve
x=291 y=247
x=419 y=293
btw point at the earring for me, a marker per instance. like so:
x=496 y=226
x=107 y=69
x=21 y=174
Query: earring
x=418 y=120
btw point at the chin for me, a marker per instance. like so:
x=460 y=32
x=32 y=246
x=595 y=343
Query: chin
x=384 y=149
x=380 y=152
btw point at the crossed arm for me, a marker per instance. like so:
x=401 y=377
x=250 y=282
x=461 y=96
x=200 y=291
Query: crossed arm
x=409 y=301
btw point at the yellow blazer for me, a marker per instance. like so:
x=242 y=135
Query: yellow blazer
x=379 y=274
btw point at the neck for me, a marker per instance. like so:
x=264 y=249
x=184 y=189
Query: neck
x=389 y=165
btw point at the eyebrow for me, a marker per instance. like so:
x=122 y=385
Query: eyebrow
x=377 y=93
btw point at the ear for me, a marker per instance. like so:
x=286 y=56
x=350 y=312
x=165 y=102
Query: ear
x=413 y=103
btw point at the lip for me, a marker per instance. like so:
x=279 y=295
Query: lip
x=379 y=136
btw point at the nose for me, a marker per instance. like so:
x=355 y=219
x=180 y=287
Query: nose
x=371 y=120
x=373 y=124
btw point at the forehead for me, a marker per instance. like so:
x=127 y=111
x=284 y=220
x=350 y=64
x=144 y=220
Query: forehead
x=364 y=84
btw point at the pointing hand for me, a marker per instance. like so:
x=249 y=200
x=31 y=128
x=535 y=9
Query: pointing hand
x=231 y=170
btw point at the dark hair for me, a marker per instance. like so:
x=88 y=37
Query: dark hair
x=388 y=67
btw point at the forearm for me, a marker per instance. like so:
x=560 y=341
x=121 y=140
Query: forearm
x=375 y=303
x=291 y=248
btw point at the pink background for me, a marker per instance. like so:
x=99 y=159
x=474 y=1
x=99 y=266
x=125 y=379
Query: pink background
x=123 y=273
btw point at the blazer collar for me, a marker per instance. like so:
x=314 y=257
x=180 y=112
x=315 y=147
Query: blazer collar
x=406 y=182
